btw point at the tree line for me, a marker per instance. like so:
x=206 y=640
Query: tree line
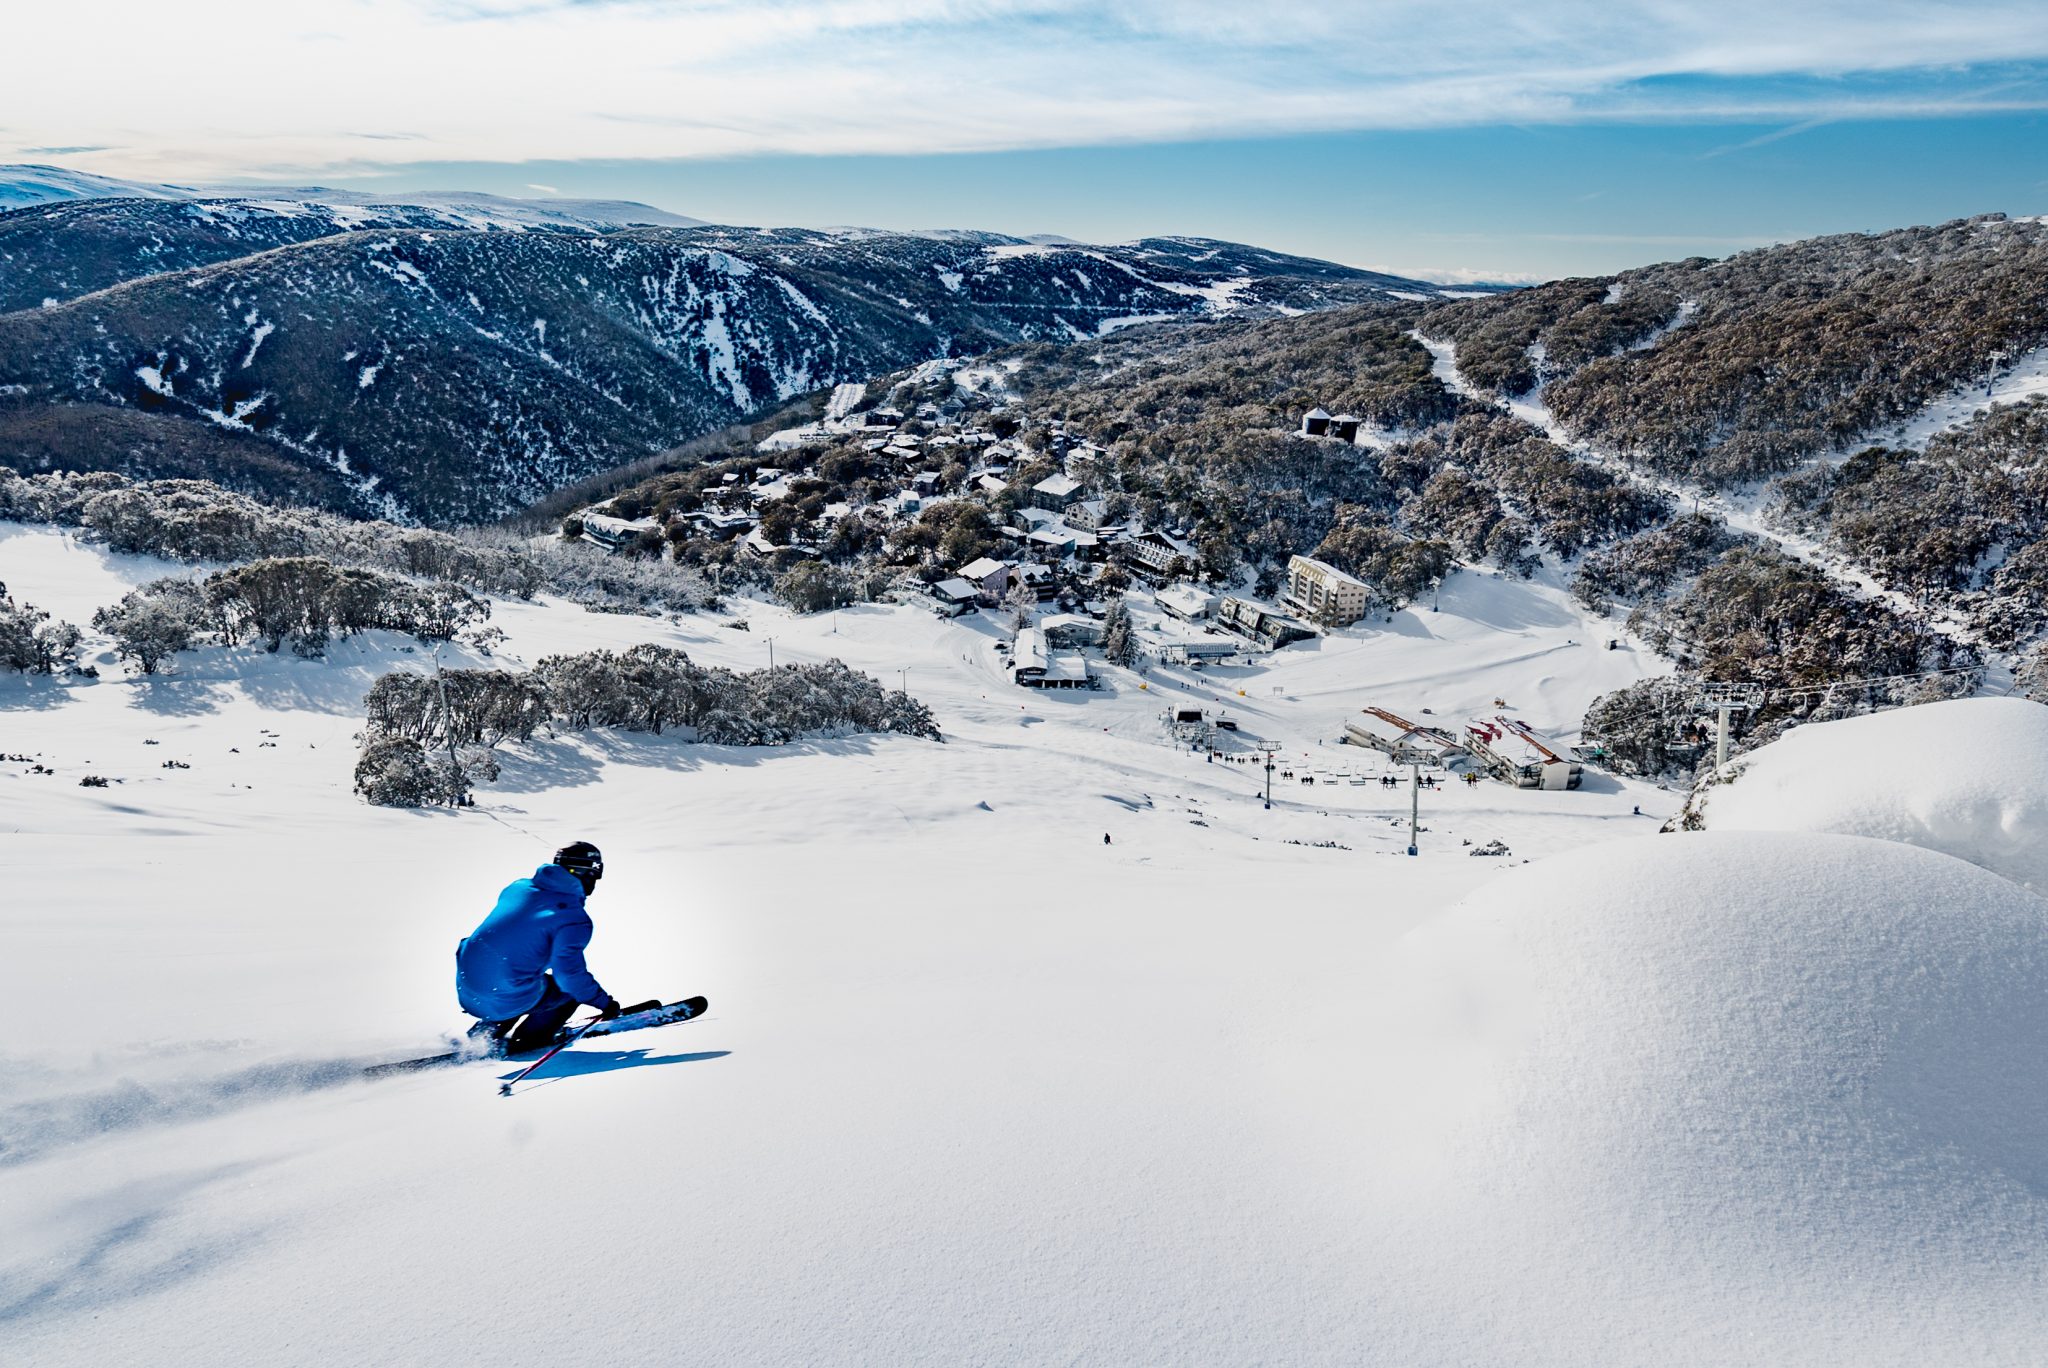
x=428 y=738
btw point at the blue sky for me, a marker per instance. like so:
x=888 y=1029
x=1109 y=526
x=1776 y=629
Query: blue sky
x=1488 y=139
x=1488 y=202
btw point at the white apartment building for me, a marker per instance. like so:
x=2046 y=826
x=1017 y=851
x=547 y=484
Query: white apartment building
x=1323 y=593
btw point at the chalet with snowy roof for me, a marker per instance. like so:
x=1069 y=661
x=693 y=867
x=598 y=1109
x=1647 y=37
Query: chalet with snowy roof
x=1186 y=602
x=990 y=577
x=882 y=418
x=1050 y=540
x=955 y=596
x=1261 y=624
x=990 y=484
x=719 y=526
x=1344 y=427
x=1056 y=493
x=1316 y=423
x=1071 y=629
x=1152 y=552
x=1087 y=513
x=756 y=544
x=612 y=533
x=1035 y=665
x=1039 y=579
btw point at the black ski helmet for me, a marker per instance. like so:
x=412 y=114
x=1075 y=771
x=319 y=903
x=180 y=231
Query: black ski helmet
x=582 y=859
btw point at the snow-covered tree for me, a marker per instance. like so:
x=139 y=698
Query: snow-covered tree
x=2032 y=675
x=811 y=586
x=1021 y=604
x=1119 y=637
x=155 y=622
x=30 y=641
x=396 y=771
x=392 y=771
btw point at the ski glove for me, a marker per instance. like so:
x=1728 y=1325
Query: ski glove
x=609 y=1010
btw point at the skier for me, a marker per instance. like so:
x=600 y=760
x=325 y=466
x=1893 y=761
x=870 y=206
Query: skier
x=521 y=972
x=1105 y=838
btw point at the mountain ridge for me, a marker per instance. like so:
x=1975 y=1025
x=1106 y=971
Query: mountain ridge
x=456 y=374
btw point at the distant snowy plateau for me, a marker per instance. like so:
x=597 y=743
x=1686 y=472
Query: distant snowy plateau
x=1233 y=1085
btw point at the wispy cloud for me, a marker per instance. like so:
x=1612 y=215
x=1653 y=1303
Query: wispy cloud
x=1789 y=131
x=234 y=87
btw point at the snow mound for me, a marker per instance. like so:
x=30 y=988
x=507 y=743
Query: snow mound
x=1783 y=1089
x=1967 y=777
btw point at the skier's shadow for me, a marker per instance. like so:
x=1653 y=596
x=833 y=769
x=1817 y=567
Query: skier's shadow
x=573 y=1063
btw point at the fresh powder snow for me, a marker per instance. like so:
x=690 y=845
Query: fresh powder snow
x=1964 y=777
x=1239 y=1085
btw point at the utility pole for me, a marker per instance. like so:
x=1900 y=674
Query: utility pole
x=1267 y=748
x=771 y=653
x=903 y=680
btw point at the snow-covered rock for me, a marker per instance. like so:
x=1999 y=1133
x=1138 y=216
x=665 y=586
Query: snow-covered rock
x=1968 y=777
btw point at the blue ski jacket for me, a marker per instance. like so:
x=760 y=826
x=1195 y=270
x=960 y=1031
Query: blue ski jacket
x=538 y=925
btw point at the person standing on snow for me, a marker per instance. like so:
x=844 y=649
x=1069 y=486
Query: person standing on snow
x=521 y=972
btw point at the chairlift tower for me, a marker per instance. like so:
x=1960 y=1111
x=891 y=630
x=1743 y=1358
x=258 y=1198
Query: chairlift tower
x=1268 y=749
x=1415 y=757
x=1725 y=699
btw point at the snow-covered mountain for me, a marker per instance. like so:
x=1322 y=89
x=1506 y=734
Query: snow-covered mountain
x=21 y=186
x=24 y=186
x=419 y=362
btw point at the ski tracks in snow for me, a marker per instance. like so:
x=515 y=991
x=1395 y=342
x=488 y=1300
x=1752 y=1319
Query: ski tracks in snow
x=52 y=1111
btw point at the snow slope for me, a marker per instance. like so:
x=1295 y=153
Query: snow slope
x=2014 y=382
x=1968 y=777
x=23 y=185
x=1757 y=1097
x=975 y=1086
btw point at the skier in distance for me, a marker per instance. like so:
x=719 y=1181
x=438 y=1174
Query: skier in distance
x=521 y=972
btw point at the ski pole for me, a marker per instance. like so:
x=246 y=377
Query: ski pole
x=505 y=1088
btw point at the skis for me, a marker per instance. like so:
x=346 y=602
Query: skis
x=639 y=1017
x=642 y=1015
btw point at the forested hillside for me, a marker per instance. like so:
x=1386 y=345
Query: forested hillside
x=1727 y=371
x=451 y=374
